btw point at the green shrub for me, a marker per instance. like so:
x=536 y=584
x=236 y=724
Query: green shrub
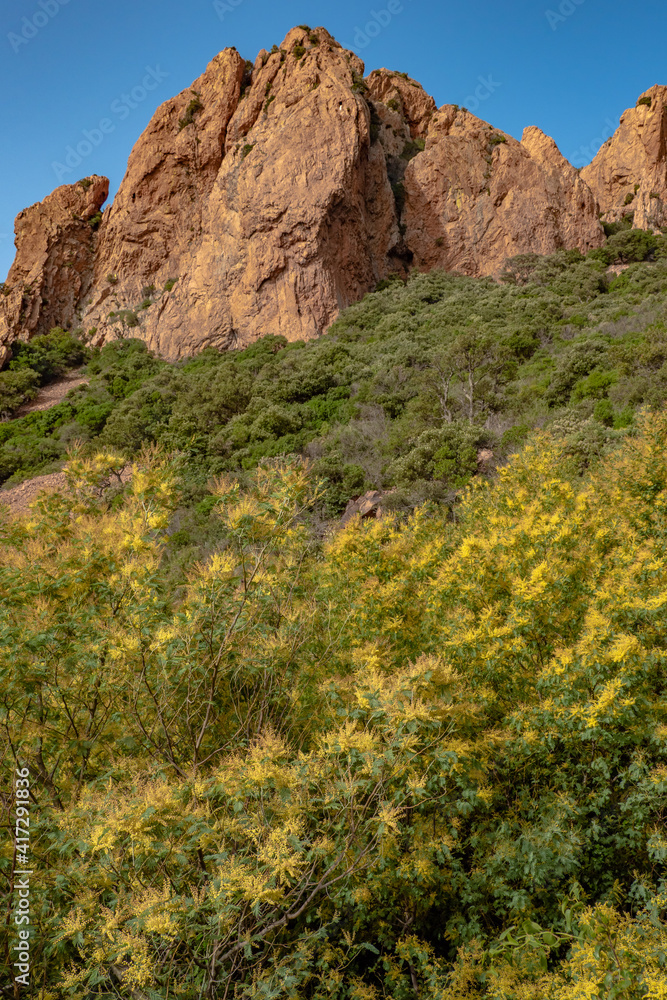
x=359 y=85
x=169 y=284
x=128 y=317
x=388 y=282
x=628 y=198
x=633 y=245
x=375 y=124
x=604 y=412
x=248 y=148
x=496 y=140
x=193 y=108
x=49 y=355
x=612 y=228
x=576 y=363
x=95 y=220
x=246 y=80
x=644 y=100
x=448 y=453
x=298 y=51
x=412 y=148
x=112 y=279
x=373 y=393
x=16 y=388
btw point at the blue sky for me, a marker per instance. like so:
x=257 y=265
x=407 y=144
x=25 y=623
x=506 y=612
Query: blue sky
x=569 y=66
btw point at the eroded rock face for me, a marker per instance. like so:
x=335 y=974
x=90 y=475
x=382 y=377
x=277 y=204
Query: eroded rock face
x=56 y=241
x=300 y=219
x=157 y=214
x=275 y=194
x=401 y=94
x=476 y=196
x=629 y=174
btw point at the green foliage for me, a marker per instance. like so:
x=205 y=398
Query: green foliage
x=376 y=122
x=359 y=85
x=194 y=107
x=556 y=340
x=611 y=228
x=49 y=355
x=644 y=100
x=35 y=363
x=169 y=284
x=630 y=246
x=248 y=148
x=298 y=51
x=496 y=139
x=420 y=757
x=246 y=80
x=128 y=317
x=16 y=388
x=412 y=148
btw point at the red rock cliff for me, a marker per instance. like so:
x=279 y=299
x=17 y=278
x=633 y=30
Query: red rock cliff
x=266 y=197
x=629 y=174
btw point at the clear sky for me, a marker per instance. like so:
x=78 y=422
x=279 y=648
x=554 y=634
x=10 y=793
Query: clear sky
x=569 y=66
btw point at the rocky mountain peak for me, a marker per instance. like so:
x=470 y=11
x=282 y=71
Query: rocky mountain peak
x=629 y=174
x=270 y=194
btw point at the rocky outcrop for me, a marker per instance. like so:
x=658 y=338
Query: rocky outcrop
x=271 y=205
x=368 y=505
x=403 y=95
x=629 y=174
x=56 y=240
x=268 y=196
x=300 y=220
x=476 y=196
x=147 y=234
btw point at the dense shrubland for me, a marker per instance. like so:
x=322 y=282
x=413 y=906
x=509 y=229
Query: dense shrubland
x=424 y=757
x=402 y=392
